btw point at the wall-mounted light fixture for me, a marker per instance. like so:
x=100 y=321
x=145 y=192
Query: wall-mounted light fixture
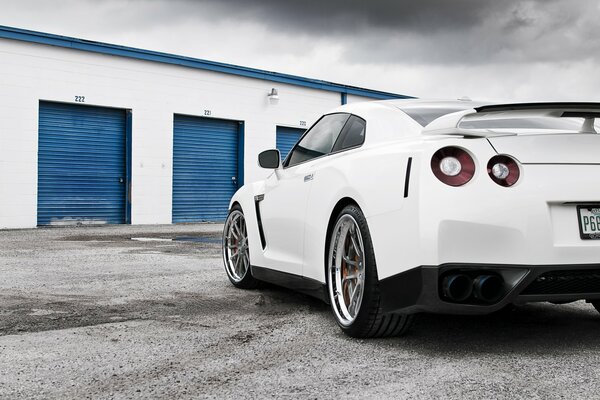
x=273 y=95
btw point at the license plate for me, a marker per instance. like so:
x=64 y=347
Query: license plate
x=589 y=221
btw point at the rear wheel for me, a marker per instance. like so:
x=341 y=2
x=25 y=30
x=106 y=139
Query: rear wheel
x=353 y=283
x=236 y=255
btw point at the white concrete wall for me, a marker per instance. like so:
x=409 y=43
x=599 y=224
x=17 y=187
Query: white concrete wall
x=357 y=99
x=154 y=92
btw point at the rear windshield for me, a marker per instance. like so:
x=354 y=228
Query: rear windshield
x=424 y=115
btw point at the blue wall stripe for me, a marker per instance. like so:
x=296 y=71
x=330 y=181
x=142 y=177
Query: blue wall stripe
x=286 y=139
x=81 y=159
x=24 y=35
x=205 y=157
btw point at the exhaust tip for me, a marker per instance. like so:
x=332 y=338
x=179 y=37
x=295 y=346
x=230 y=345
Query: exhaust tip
x=457 y=287
x=488 y=288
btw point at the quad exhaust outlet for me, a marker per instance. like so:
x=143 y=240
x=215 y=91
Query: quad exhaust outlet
x=461 y=288
x=488 y=288
x=457 y=287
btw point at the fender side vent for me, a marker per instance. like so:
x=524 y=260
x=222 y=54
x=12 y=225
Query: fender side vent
x=407 y=178
x=257 y=200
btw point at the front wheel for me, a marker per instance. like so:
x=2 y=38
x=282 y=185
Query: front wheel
x=353 y=283
x=236 y=254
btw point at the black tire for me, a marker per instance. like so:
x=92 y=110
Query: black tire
x=237 y=267
x=369 y=321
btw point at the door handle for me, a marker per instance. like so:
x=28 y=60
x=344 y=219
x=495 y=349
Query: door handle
x=308 y=177
x=121 y=180
x=234 y=180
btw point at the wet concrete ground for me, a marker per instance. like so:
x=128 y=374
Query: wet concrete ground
x=90 y=313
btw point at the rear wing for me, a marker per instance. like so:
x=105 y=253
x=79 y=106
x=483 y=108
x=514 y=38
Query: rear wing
x=449 y=124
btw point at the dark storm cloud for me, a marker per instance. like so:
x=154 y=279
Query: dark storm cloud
x=328 y=16
x=430 y=31
x=347 y=16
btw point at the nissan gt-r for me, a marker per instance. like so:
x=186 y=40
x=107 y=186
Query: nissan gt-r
x=392 y=208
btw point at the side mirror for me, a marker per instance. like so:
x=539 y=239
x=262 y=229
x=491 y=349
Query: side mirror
x=269 y=159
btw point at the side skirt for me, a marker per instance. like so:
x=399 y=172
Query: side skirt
x=299 y=283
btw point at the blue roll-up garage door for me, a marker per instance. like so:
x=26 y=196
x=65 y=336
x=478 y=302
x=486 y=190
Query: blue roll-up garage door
x=81 y=164
x=286 y=139
x=205 y=167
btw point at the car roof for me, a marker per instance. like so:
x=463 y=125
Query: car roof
x=410 y=104
x=443 y=117
x=464 y=103
x=413 y=110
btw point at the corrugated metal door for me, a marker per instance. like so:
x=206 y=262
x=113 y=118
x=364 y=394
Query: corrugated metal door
x=286 y=139
x=205 y=167
x=81 y=164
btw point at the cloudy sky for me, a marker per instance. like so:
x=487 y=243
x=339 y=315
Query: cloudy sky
x=484 y=49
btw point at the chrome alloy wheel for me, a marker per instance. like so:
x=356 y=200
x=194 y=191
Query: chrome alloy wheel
x=346 y=269
x=235 y=246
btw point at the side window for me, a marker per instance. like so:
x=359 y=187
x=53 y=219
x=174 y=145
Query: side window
x=352 y=135
x=319 y=140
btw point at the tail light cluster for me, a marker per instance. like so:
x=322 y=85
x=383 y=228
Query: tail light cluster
x=503 y=170
x=455 y=167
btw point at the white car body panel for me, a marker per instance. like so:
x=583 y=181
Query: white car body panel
x=568 y=148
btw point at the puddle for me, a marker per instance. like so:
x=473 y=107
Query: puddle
x=147 y=239
x=193 y=239
x=198 y=239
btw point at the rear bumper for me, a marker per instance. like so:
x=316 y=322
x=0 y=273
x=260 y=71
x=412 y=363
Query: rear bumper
x=534 y=222
x=419 y=289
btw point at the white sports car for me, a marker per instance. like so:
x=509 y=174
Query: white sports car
x=387 y=209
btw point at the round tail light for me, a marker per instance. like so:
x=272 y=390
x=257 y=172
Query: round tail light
x=503 y=170
x=453 y=166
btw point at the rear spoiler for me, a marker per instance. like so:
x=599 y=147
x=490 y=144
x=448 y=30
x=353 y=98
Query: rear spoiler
x=449 y=123
x=581 y=107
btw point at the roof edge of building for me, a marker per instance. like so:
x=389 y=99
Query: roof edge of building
x=25 y=35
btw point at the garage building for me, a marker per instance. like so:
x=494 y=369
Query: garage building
x=95 y=133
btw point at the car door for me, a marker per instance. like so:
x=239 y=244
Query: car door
x=329 y=177
x=283 y=208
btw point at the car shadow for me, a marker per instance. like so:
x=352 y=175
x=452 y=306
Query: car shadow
x=288 y=297
x=537 y=328
x=534 y=328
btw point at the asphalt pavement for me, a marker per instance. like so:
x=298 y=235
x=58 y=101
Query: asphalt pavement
x=88 y=312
